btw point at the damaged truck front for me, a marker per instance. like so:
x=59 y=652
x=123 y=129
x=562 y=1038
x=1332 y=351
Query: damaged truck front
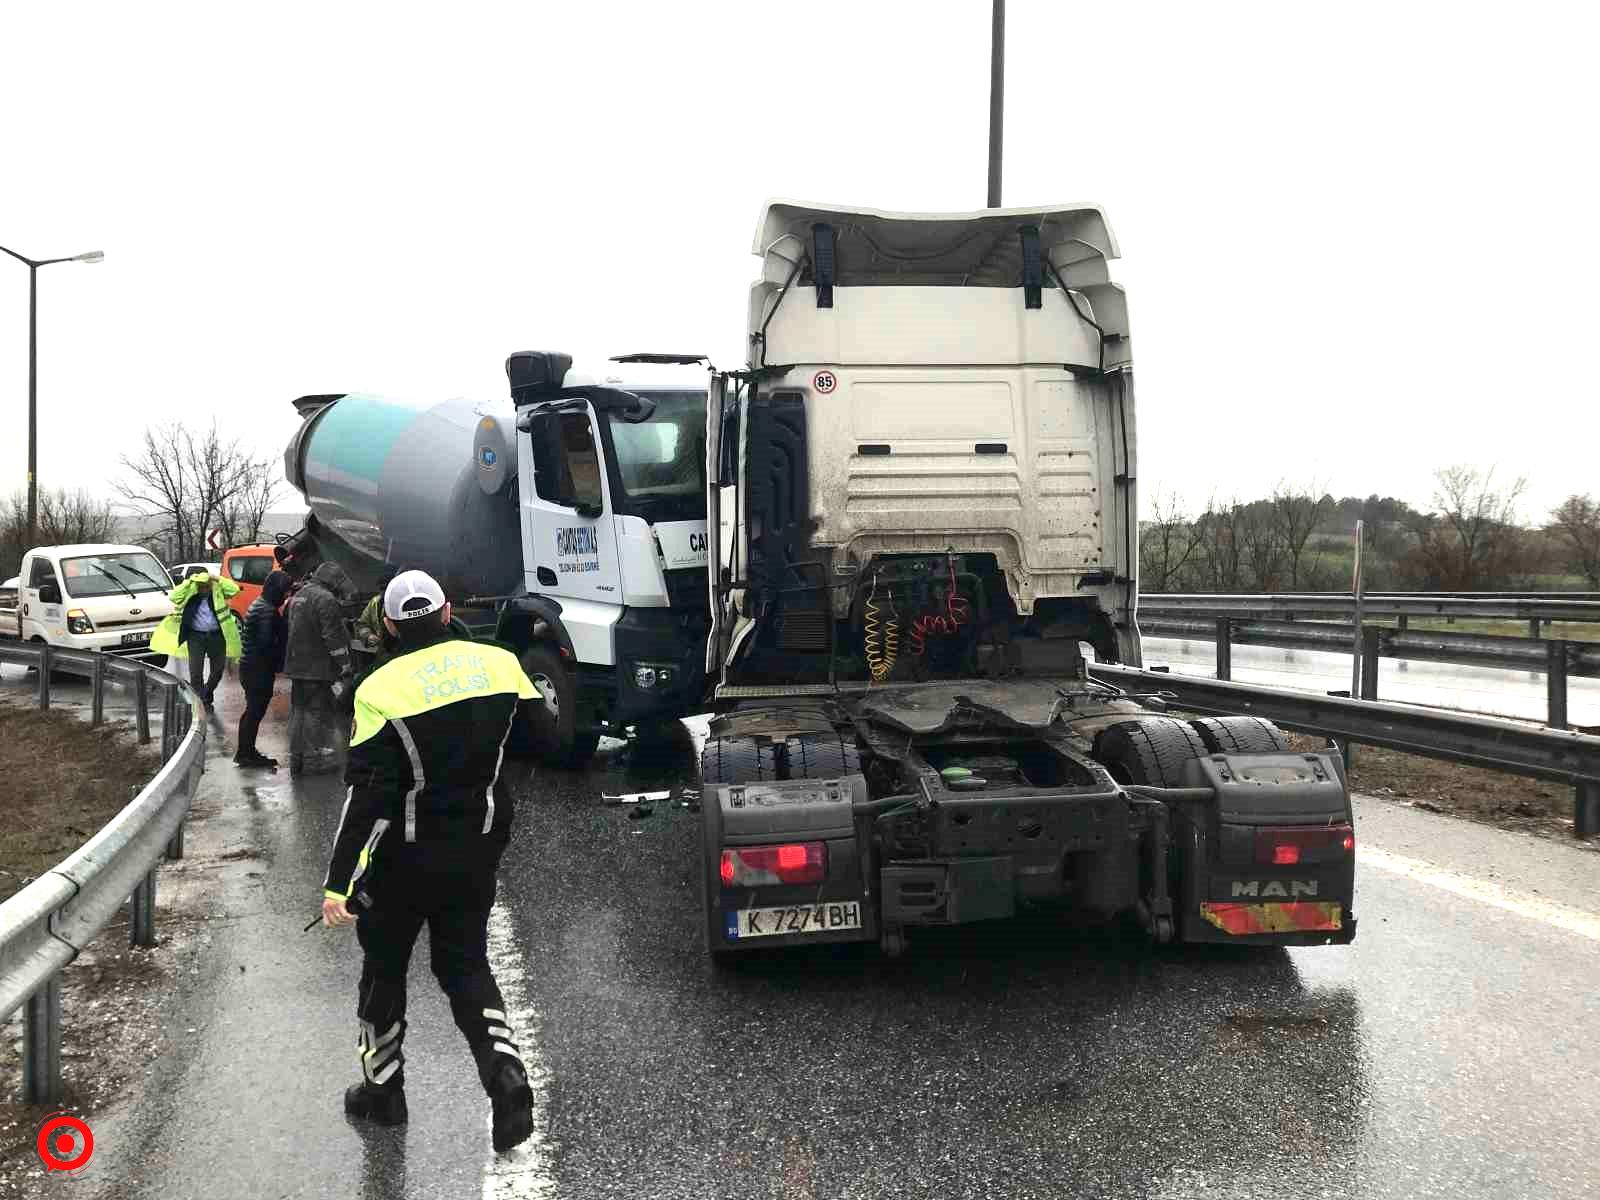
x=921 y=507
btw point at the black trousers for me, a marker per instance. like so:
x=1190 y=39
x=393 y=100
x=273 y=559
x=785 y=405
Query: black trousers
x=203 y=646
x=257 y=684
x=454 y=903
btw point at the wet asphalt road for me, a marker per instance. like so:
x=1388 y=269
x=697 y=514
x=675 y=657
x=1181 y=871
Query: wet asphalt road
x=1448 y=1052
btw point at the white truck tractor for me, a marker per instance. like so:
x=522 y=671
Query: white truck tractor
x=922 y=510
x=574 y=518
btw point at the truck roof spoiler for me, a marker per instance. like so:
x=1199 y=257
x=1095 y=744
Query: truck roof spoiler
x=306 y=405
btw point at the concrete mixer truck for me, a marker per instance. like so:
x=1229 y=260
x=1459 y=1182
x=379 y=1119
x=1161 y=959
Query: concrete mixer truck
x=572 y=517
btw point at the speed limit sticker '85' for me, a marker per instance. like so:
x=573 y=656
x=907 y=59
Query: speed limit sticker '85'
x=824 y=382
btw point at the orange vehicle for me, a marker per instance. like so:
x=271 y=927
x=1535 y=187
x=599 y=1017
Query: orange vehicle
x=248 y=566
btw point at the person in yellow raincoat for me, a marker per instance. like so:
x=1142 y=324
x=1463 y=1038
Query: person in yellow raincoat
x=203 y=627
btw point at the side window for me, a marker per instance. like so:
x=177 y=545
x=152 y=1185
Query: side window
x=249 y=568
x=566 y=462
x=581 y=459
x=41 y=573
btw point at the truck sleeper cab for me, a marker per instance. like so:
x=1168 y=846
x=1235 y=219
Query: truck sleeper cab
x=923 y=507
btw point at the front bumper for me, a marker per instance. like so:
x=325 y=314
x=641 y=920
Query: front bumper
x=664 y=641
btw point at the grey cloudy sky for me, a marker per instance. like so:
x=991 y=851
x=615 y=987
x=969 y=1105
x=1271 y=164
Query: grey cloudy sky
x=1361 y=240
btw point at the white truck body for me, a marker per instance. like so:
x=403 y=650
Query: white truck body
x=91 y=597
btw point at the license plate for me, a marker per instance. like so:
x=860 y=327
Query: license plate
x=135 y=639
x=797 y=918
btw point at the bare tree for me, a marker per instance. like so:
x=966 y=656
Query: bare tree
x=1473 y=540
x=1220 y=533
x=245 y=514
x=1167 y=544
x=1296 y=515
x=1575 y=526
x=190 y=483
x=64 y=518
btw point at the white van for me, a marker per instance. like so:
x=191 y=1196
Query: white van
x=92 y=597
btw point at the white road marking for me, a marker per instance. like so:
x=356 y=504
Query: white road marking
x=522 y=1173
x=1572 y=920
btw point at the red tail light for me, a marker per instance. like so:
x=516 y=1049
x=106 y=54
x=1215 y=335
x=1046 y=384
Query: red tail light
x=768 y=866
x=1287 y=847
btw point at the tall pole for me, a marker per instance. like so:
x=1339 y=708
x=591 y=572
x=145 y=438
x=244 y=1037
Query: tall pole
x=33 y=406
x=997 y=98
x=33 y=265
x=1358 y=586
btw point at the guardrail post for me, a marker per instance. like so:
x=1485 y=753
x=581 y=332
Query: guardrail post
x=143 y=903
x=41 y=1044
x=1369 y=662
x=141 y=705
x=1586 y=808
x=1401 y=621
x=1533 y=627
x=1224 y=648
x=47 y=654
x=1555 y=681
x=97 y=689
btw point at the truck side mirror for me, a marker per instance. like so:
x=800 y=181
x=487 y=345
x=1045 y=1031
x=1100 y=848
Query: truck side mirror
x=49 y=593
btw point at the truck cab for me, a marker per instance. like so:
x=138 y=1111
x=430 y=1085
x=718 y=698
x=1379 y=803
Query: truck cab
x=569 y=524
x=92 y=597
x=612 y=486
x=922 y=510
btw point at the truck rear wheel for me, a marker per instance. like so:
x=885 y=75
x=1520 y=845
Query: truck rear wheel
x=1240 y=735
x=546 y=728
x=1150 y=751
x=803 y=756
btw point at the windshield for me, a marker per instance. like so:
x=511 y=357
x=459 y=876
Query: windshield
x=661 y=461
x=108 y=574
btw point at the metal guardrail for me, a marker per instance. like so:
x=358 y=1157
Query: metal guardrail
x=1556 y=660
x=48 y=923
x=1375 y=604
x=1559 y=755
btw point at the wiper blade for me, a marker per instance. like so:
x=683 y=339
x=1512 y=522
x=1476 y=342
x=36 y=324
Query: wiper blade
x=107 y=567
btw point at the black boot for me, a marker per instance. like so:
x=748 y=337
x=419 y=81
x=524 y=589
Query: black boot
x=380 y=1105
x=512 y=1100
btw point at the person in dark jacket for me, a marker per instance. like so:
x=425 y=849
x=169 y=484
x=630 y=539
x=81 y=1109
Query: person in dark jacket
x=425 y=821
x=318 y=658
x=265 y=642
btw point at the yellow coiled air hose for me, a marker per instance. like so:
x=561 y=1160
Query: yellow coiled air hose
x=881 y=639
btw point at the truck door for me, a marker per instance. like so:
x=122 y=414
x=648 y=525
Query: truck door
x=570 y=547
x=42 y=611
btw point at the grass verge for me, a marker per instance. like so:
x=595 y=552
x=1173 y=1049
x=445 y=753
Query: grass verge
x=65 y=780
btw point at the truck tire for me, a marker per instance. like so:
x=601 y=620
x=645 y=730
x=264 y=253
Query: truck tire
x=1151 y=751
x=546 y=729
x=1240 y=735
x=804 y=756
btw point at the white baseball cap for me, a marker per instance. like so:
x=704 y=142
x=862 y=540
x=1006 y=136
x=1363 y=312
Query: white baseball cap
x=412 y=594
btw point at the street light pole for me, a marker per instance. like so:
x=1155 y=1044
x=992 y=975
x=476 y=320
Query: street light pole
x=92 y=256
x=997 y=98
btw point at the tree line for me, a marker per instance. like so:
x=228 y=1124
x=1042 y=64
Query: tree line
x=177 y=486
x=1303 y=539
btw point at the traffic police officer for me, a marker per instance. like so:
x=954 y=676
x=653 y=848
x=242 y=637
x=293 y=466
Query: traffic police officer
x=424 y=823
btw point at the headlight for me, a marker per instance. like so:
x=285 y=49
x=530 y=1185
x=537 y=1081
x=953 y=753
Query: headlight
x=649 y=675
x=78 y=621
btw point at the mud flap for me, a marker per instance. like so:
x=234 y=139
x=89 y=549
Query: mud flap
x=1271 y=860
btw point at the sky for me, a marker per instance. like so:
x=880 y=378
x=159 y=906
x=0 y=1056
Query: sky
x=1360 y=242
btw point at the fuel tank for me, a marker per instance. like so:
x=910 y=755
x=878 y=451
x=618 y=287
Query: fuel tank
x=409 y=485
